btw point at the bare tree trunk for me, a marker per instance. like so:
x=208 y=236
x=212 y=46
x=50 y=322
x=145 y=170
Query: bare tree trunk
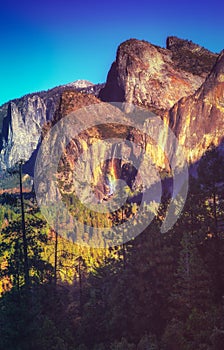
x=123 y=245
x=80 y=285
x=215 y=213
x=55 y=258
x=26 y=264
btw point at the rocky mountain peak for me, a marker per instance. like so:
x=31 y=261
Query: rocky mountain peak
x=79 y=84
x=154 y=77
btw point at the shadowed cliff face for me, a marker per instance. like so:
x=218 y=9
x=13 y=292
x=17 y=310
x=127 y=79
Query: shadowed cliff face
x=21 y=130
x=198 y=120
x=156 y=78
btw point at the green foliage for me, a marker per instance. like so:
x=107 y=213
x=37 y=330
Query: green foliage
x=192 y=282
x=159 y=291
x=12 y=251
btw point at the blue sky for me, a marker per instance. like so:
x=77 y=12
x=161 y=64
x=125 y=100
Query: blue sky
x=48 y=43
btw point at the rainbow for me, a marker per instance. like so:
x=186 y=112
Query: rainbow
x=111 y=177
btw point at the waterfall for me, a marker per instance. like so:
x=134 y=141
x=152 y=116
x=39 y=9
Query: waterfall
x=113 y=169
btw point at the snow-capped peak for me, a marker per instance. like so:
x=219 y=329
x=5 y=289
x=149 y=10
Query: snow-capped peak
x=80 y=84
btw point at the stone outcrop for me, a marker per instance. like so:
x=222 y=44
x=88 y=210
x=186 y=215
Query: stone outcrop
x=191 y=57
x=154 y=77
x=198 y=120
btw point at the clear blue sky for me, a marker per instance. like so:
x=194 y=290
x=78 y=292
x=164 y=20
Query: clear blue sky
x=48 y=43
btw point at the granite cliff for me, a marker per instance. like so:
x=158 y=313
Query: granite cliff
x=198 y=120
x=107 y=160
x=183 y=83
x=154 y=77
x=22 y=120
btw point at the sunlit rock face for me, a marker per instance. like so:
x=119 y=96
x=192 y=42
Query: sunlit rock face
x=154 y=77
x=183 y=83
x=98 y=165
x=177 y=82
x=198 y=120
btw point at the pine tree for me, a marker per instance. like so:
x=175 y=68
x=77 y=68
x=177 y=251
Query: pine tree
x=12 y=250
x=211 y=180
x=193 y=283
